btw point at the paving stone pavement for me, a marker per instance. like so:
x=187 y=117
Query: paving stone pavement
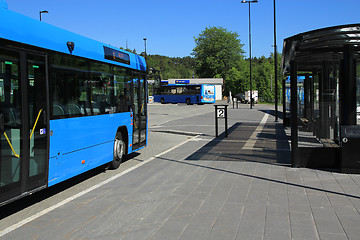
x=213 y=189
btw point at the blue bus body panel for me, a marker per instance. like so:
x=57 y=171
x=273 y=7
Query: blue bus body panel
x=177 y=98
x=75 y=144
x=23 y=29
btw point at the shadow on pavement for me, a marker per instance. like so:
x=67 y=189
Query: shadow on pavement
x=271 y=147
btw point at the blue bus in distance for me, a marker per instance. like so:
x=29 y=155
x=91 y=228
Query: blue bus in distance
x=185 y=93
x=68 y=104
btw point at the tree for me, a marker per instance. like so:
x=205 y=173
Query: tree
x=217 y=51
x=263 y=77
x=172 y=67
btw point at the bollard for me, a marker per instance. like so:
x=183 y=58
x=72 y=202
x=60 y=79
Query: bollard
x=221 y=112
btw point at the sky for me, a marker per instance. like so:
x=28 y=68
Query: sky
x=171 y=25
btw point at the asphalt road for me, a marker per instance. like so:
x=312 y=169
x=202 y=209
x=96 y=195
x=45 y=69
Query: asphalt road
x=160 y=139
x=187 y=184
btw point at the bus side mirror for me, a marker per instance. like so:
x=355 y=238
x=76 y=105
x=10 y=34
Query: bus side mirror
x=2 y=123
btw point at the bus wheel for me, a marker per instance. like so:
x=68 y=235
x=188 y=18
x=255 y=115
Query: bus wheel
x=162 y=100
x=119 y=152
x=188 y=101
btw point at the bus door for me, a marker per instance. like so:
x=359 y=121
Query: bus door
x=23 y=123
x=139 y=110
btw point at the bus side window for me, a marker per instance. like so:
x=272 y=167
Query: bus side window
x=100 y=82
x=179 y=90
x=69 y=87
x=122 y=91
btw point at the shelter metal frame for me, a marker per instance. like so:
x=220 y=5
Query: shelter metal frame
x=325 y=129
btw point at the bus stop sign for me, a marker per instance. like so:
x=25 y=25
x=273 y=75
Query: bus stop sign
x=220 y=112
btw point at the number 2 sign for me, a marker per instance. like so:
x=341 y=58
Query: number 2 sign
x=221 y=113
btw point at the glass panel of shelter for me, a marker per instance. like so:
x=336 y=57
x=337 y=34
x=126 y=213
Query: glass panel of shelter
x=287 y=98
x=318 y=106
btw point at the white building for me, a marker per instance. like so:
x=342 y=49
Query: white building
x=218 y=82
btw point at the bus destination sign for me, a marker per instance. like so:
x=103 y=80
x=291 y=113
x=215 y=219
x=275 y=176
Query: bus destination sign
x=117 y=56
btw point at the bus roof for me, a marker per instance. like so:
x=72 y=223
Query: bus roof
x=26 y=30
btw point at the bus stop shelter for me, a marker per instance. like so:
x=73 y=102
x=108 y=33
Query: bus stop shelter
x=322 y=97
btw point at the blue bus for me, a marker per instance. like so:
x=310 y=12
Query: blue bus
x=185 y=93
x=68 y=104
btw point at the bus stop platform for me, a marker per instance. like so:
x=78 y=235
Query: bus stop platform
x=239 y=187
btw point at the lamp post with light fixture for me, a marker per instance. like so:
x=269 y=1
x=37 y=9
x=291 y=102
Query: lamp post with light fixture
x=145 y=52
x=250 y=1
x=41 y=12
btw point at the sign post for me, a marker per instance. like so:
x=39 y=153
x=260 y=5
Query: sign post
x=220 y=112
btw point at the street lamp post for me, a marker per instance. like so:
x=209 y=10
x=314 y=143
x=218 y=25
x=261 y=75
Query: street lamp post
x=145 y=45
x=250 y=1
x=275 y=65
x=145 y=52
x=41 y=12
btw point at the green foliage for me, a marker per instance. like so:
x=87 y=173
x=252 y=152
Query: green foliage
x=217 y=51
x=172 y=67
x=218 y=54
x=263 y=77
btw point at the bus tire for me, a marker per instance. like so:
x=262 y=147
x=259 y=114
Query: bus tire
x=162 y=100
x=119 y=151
x=188 y=101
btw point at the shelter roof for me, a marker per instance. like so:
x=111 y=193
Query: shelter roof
x=310 y=49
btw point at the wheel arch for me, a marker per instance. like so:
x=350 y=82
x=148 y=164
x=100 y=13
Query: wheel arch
x=125 y=136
